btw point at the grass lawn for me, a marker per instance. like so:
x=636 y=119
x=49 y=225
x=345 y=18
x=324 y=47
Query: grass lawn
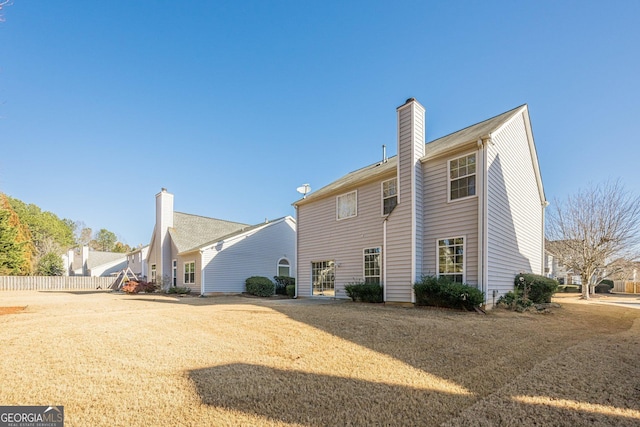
x=147 y=360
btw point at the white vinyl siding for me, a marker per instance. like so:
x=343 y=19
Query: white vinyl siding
x=227 y=264
x=321 y=237
x=514 y=205
x=442 y=219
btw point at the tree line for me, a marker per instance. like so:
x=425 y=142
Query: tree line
x=32 y=241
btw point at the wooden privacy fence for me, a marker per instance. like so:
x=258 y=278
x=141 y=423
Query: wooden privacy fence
x=52 y=283
x=626 y=287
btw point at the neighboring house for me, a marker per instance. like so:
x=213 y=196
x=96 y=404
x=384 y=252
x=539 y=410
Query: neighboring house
x=215 y=256
x=83 y=261
x=469 y=206
x=137 y=262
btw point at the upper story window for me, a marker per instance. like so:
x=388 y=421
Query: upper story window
x=190 y=272
x=389 y=195
x=347 y=205
x=462 y=177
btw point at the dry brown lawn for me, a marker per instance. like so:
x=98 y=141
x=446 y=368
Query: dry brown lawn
x=121 y=360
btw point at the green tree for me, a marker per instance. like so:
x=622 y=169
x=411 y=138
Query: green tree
x=121 y=248
x=105 y=240
x=16 y=250
x=48 y=232
x=50 y=265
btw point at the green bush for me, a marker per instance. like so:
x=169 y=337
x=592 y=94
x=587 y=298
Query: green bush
x=569 y=288
x=604 y=287
x=441 y=292
x=179 y=290
x=514 y=301
x=291 y=291
x=282 y=282
x=364 y=292
x=260 y=286
x=539 y=288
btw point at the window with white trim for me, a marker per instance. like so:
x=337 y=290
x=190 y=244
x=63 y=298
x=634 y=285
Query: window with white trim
x=451 y=259
x=347 y=205
x=189 y=272
x=153 y=273
x=389 y=195
x=323 y=278
x=174 y=274
x=372 y=265
x=284 y=268
x=462 y=177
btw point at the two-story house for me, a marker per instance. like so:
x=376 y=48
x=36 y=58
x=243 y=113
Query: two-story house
x=469 y=206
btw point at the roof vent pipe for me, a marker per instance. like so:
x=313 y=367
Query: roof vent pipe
x=384 y=153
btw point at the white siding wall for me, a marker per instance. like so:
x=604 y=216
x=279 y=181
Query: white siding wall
x=515 y=229
x=321 y=237
x=226 y=266
x=443 y=219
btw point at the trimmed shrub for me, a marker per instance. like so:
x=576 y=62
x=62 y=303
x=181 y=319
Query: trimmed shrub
x=260 y=286
x=282 y=282
x=179 y=290
x=291 y=291
x=441 y=292
x=539 y=288
x=134 y=287
x=604 y=287
x=364 y=292
x=569 y=288
x=514 y=301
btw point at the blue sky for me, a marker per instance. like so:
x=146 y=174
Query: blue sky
x=232 y=105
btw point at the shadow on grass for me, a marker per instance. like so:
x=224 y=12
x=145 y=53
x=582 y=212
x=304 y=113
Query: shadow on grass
x=321 y=400
x=78 y=292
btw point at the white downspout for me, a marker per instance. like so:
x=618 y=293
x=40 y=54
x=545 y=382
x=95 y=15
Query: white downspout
x=295 y=254
x=202 y=281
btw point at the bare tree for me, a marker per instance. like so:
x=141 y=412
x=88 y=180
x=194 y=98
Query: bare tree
x=3 y=3
x=596 y=232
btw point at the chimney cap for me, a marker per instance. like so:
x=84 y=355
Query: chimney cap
x=164 y=190
x=410 y=100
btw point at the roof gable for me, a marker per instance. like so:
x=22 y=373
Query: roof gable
x=469 y=134
x=434 y=148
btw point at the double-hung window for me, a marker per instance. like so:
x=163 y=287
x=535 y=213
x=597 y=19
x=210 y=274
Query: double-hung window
x=347 y=205
x=389 y=195
x=462 y=177
x=153 y=273
x=451 y=259
x=372 y=264
x=190 y=272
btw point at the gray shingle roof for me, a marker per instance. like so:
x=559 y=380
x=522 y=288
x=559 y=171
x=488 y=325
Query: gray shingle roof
x=193 y=231
x=98 y=258
x=432 y=149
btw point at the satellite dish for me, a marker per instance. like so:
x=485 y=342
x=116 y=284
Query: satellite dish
x=304 y=189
